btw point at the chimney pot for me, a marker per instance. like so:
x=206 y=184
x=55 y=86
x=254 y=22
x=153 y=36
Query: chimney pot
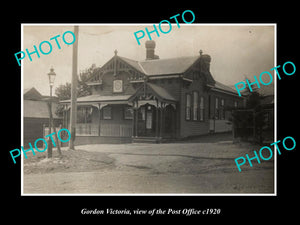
x=150 y=48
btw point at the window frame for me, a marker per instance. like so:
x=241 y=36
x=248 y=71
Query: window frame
x=217 y=112
x=188 y=108
x=201 y=108
x=195 y=110
x=106 y=107
x=124 y=112
x=84 y=111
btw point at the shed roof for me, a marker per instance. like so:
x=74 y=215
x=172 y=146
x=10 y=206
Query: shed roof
x=38 y=109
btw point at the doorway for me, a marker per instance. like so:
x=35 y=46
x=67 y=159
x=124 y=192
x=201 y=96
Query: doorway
x=146 y=121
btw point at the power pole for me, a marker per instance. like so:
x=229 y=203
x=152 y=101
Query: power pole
x=73 y=91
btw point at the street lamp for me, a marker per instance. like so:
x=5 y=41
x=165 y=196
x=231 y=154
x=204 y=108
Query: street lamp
x=51 y=76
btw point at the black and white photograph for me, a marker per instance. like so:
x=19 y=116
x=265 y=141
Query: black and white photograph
x=162 y=112
x=158 y=115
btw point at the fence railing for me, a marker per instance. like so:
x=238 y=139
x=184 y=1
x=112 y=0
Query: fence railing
x=112 y=130
x=87 y=129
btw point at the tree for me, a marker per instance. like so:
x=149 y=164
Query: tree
x=63 y=92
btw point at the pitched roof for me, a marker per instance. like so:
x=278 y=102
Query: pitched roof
x=170 y=66
x=162 y=66
x=167 y=66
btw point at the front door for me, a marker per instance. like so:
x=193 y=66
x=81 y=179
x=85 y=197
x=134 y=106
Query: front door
x=170 y=122
x=146 y=121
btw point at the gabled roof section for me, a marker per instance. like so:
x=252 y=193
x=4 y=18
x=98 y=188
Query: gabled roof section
x=155 y=67
x=115 y=61
x=135 y=64
x=159 y=92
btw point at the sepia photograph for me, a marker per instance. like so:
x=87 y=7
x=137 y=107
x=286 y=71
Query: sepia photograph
x=105 y=115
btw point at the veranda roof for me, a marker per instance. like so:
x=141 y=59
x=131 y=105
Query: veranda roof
x=108 y=99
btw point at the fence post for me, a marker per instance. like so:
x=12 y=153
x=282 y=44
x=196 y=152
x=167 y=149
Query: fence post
x=56 y=139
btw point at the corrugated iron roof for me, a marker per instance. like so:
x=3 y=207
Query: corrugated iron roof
x=224 y=87
x=162 y=66
x=167 y=66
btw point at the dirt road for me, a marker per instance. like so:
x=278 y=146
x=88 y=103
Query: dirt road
x=149 y=168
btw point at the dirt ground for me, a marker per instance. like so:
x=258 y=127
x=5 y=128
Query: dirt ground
x=197 y=166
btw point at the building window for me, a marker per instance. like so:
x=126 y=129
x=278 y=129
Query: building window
x=107 y=113
x=84 y=115
x=235 y=104
x=217 y=109
x=128 y=113
x=195 y=105
x=201 y=114
x=188 y=107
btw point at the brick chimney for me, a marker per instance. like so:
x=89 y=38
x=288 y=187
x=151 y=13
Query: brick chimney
x=150 y=47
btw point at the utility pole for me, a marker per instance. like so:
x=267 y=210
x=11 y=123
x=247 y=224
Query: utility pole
x=74 y=91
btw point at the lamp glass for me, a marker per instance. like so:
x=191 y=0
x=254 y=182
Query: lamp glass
x=51 y=76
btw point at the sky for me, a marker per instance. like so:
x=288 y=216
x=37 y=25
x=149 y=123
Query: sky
x=236 y=50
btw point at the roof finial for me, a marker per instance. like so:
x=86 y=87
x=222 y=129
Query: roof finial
x=200 y=52
x=116 y=52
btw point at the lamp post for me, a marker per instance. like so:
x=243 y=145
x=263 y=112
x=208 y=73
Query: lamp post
x=51 y=76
